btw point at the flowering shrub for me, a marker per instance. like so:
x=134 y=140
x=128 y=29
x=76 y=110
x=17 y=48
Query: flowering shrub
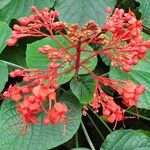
x=71 y=53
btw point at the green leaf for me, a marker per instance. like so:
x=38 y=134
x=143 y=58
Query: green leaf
x=106 y=59
x=5 y=33
x=3 y=75
x=127 y=140
x=15 y=55
x=17 y=9
x=36 y=60
x=3 y=3
x=83 y=88
x=144 y=9
x=39 y=137
x=81 y=11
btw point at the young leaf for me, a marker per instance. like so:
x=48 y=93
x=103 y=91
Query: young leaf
x=127 y=140
x=5 y=33
x=39 y=137
x=83 y=88
x=77 y=11
x=3 y=75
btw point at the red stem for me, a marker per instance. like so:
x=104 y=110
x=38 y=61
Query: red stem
x=78 y=54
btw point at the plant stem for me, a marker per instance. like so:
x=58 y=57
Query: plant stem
x=141 y=116
x=77 y=65
x=96 y=127
x=87 y=136
x=12 y=64
x=101 y=120
x=76 y=140
x=105 y=74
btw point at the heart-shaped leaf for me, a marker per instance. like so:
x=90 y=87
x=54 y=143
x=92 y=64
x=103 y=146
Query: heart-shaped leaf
x=39 y=137
x=83 y=88
x=127 y=140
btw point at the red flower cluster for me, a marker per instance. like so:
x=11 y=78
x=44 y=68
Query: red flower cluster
x=127 y=45
x=131 y=93
x=40 y=87
x=128 y=91
x=122 y=43
x=32 y=25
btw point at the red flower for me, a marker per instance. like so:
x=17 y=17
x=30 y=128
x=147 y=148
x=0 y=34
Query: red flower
x=56 y=114
x=13 y=92
x=42 y=90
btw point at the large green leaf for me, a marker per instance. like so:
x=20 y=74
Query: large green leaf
x=20 y=8
x=5 y=33
x=3 y=75
x=36 y=60
x=127 y=140
x=3 y=3
x=144 y=9
x=81 y=11
x=39 y=137
x=83 y=88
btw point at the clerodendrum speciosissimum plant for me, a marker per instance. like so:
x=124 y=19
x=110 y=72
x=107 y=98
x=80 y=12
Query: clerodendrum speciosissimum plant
x=122 y=42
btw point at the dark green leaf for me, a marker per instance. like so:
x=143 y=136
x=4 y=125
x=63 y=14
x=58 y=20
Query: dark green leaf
x=3 y=75
x=83 y=88
x=105 y=59
x=127 y=140
x=14 y=55
x=144 y=9
x=39 y=137
x=21 y=8
x=5 y=33
x=81 y=11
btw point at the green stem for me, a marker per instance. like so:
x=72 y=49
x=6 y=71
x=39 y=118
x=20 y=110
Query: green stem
x=12 y=64
x=141 y=116
x=100 y=118
x=87 y=136
x=76 y=140
x=101 y=135
x=105 y=74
